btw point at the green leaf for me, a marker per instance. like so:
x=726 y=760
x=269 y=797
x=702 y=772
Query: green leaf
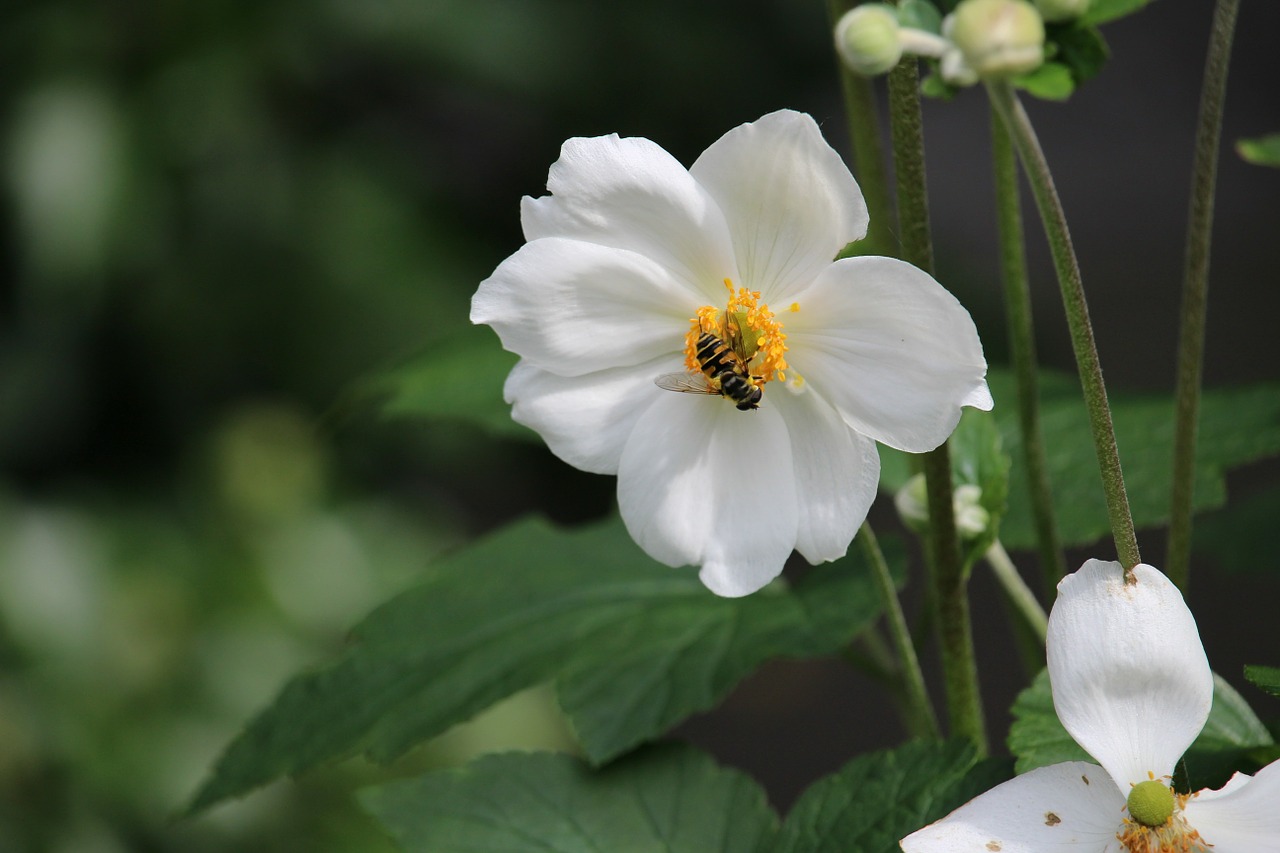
x=1237 y=425
x=933 y=86
x=920 y=15
x=1236 y=535
x=1101 y=11
x=1260 y=151
x=1264 y=677
x=1230 y=741
x=461 y=380
x=1038 y=739
x=1080 y=48
x=635 y=646
x=669 y=798
x=1052 y=81
x=876 y=799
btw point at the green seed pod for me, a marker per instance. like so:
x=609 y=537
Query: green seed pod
x=1151 y=803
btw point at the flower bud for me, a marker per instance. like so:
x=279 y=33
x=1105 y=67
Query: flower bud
x=867 y=39
x=997 y=37
x=971 y=518
x=912 y=501
x=1061 y=10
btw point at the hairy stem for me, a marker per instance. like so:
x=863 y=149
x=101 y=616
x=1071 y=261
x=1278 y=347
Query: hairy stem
x=920 y=718
x=1195 y=290
x=868 y=150
x=1022 y=348
x=964 y=701
x=1018 y=126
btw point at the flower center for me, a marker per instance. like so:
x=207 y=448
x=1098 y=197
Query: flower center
x=1151 y=803
x=1154 y=823
x=750 y=330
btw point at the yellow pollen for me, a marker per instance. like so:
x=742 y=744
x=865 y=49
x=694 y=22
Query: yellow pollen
x=794 y=307
x=746 y=324
x=1175 y=835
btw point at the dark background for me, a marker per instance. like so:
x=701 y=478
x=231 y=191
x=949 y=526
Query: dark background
x=220 y=222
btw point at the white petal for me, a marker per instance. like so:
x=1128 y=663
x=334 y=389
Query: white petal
x=631 y=194
x=572 y=307
x=1241 y=817
x=1130 y=679
x=892 y=350
x=789 y=199
x=837 y=472
x=701 y=483
x=585 y=420
x=1064 y=808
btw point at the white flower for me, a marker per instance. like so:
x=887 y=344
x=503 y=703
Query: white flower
x=632 y=256
x=1132 y=686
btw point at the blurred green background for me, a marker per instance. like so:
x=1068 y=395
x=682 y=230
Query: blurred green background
x=221 y=222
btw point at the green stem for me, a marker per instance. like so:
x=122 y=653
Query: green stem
x=1018 y=126
x=868 y=150
x=906 y=129
x=1195 y=289
x=1016 y=589
x=964 y=701
x=1022 y=347
x=920 y=718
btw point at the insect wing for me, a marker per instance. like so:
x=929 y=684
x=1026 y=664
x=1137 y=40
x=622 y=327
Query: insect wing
x=685 y=383
x=736 y=341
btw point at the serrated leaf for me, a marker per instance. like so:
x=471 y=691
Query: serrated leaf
x=1260 y=151
x=1237 y=425
x=1052 y=81
x=1264 y=678
x=636 y=647
x=462 y=380
x=876 y=799
x=1101 y=11
x=669 y=798
x=1037 y=738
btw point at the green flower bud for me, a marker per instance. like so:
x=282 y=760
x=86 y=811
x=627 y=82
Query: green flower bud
x=997 y=38
x=1151 y=803
x=1061 y=10
x=867 y=39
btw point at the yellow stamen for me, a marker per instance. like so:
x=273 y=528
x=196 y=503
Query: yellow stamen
x=1175 y=835
x=749 y=323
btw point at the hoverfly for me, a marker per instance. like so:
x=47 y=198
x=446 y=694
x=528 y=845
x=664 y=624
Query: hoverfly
x=724 y=371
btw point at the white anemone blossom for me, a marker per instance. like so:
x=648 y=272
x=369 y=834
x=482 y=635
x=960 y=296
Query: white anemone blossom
x=1131 y=684
x=632 y=259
